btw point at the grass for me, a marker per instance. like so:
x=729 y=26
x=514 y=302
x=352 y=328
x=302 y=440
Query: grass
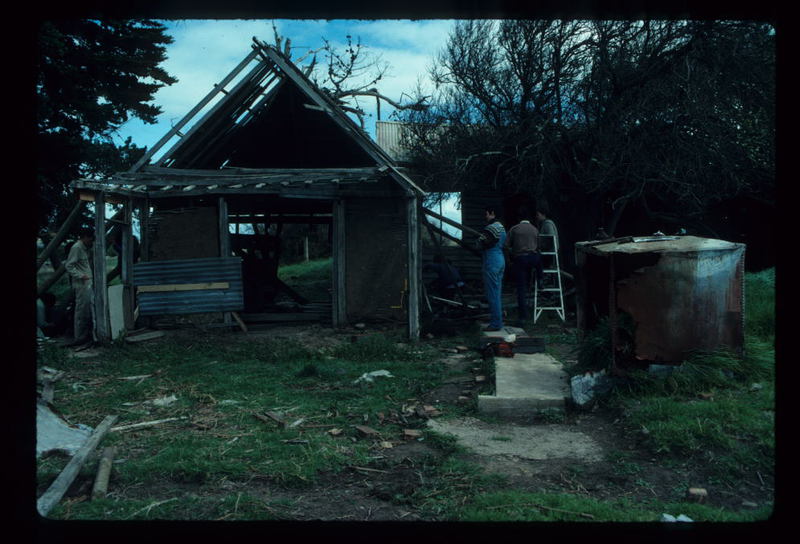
x=219 y=385
x=311 y=278
x=708 y=413
x=716 y=408
x=518 y=506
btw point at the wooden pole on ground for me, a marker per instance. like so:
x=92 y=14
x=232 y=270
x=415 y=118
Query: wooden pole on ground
x=59 y=487
x=100 y=487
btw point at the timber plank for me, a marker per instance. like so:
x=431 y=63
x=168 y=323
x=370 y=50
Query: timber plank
x=183 y=287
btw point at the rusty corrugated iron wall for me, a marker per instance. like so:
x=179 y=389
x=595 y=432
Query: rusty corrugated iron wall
x=682 y=294
x=190 y=271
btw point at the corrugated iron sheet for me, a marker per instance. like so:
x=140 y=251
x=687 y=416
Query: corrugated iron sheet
x=217 y=269
x=388 y=135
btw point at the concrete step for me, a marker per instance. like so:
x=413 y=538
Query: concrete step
x=526 y=384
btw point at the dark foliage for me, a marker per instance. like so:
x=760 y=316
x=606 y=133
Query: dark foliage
x=624 y=125
x=91 y=77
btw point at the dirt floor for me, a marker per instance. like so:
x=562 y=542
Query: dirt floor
x=569 y=453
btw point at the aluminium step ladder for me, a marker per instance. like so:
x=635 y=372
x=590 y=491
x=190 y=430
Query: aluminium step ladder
x=552 y=268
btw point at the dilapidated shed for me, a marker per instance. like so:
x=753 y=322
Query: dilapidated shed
x=266 y=147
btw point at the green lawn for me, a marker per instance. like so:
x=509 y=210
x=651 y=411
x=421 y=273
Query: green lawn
x=221 y=383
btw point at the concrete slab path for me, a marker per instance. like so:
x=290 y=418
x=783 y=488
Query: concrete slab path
x=526 y=383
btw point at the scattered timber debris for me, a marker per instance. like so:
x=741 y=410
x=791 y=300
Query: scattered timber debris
x=145 y=424
x=59 y=487
x=366 y=431
x=100 y=487
x=143 y=337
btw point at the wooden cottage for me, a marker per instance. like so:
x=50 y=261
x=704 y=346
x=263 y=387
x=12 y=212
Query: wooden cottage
x=265 y=148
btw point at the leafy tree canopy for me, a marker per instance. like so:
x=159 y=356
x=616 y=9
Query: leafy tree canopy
x=91 y=77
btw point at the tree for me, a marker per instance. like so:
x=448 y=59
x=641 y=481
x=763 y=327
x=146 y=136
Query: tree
x=348 y=75
x=92 y=76
x=660 y=119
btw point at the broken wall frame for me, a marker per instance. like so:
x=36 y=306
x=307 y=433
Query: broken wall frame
x=407 y=209
x=182 y=171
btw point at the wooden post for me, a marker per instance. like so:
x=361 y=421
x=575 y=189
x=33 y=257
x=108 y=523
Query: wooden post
x=414 y=263
x=581 y=295
x=305 y=248
x=126 y=268
x=59 y=487
x=224 y=243
x=144 y=239
x=102 y=323
x=61 y=234
x=339 y=278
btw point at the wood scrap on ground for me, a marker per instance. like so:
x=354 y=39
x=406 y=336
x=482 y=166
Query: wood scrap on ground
x=145 y=424
x=271 y=417
x=59 y=487
x=100 y=487
x=144 y=337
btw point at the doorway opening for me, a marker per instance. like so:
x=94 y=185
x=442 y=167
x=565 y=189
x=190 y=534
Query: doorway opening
x=286 y=251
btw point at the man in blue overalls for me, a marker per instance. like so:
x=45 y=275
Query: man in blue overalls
x=491 y=241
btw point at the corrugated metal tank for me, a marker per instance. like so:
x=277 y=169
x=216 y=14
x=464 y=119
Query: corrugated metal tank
x=683 y=293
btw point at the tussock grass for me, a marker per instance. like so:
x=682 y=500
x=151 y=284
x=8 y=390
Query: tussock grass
x=760 y=304
x=715 y=407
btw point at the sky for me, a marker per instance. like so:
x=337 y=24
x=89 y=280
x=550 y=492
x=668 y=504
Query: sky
x=205 y=51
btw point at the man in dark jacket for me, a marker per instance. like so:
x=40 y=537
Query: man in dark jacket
x=522 y=244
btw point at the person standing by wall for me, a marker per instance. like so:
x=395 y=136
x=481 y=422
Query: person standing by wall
x=522 y=244
x=79 y=268
x=491 y=242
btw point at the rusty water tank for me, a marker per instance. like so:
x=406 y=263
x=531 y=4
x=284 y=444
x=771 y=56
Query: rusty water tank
x=679 y=294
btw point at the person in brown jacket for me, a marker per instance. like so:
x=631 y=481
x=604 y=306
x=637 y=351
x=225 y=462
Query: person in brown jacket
x=522 y=246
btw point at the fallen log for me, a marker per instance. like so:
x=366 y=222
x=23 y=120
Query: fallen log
x=100 y=487
x=59 y=487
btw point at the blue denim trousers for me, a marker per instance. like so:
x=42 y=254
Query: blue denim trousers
x=494 y=265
